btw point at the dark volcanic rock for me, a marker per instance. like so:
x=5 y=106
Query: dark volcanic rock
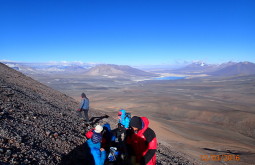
x=40 y=126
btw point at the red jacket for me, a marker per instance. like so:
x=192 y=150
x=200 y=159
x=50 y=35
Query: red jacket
x=144 y=144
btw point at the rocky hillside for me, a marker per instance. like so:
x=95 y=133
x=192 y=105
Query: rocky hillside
x=40 y=126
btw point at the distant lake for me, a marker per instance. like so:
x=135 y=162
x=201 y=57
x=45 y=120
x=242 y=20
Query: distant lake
x=169 y=78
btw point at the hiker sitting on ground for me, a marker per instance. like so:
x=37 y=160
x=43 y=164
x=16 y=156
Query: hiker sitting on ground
x=94 y=143
x=84 y=106
x=97 y=130
x=119 y=133
x=124 y=118
x=142 y=141
x=119 y=138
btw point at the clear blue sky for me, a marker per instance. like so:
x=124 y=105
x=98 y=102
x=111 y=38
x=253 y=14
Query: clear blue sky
x=129 y=32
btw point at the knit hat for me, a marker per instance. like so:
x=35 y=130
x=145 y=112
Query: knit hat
x=136 y=122
x=96 y=138
x=98 y=129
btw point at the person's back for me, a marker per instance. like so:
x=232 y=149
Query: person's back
x=123 y=118
x=107 y=136
x=120 y=133
x=84 y=102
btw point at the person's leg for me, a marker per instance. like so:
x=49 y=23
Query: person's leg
x=79 y=114
x=86 y=113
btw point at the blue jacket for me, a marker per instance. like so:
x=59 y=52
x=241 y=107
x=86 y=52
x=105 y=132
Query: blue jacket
x=84 y=103
x=123 y=119
x=99 y=156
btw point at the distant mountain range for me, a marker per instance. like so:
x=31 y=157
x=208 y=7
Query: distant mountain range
x=225 y=69
x=194 y=68
x=111 y=71
x=201 y=68
x=106 y=70
x=117 y=70
x=241 y=68
x=31 y=68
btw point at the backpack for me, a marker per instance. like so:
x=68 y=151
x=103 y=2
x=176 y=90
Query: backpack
x=125 y=119
x=128 y=115
x=89 y=134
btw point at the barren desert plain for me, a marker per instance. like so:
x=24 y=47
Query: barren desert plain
x=209 y=119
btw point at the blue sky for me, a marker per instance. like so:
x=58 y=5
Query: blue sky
x=132 y=32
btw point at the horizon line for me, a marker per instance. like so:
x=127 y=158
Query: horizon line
x=184 y=62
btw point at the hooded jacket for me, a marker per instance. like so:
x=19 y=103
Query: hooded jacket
x=123 y=119
x=144 y=144
x=84 y=103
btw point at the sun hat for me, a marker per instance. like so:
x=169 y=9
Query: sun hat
x=98 y=129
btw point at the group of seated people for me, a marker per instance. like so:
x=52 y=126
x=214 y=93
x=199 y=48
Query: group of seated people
x=131 y=143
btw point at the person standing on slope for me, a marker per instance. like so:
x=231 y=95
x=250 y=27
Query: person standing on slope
x=84 y=106
x=142 y=142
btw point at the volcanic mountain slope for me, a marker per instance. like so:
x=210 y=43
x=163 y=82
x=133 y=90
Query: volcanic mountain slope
x=202 y=68
x=241 y=68
x=50 y=68
x=117 y=70
x=39 y=125
x=195 y=68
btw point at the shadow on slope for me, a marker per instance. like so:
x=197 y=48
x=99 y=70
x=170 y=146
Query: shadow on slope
x=78 y=156
x=97 y=119
x=81 y=154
